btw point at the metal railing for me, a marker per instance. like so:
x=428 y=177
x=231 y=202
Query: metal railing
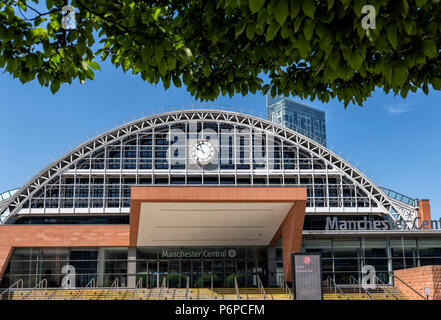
x=187 y=288
x=137 y=286
x=55 y=293
x=260 y=287
x=360 y=287
x=16 y=285
x=40 y=285
x=407 y=285
x=386 y=286
x=90 y=284
x=286 y=288
x=115 y=284
x=336 y=287
x=163 y=286
x=212 y=287
x=236 y=287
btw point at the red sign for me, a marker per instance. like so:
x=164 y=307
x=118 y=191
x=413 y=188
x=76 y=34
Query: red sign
x=307 y=260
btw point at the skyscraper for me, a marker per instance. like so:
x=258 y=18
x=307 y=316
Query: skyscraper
x=298 y=117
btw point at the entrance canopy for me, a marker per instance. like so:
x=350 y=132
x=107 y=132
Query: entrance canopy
x=218 y=216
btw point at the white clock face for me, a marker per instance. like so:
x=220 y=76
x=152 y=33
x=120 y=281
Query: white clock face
x=202 y=152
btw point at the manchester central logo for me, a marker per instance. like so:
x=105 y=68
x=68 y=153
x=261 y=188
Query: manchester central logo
x=231 y=253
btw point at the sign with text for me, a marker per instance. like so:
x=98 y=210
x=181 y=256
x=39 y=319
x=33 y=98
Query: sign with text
x=307 y=276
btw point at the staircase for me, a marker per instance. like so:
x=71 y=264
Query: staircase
x=355 y=293
x=349 y=293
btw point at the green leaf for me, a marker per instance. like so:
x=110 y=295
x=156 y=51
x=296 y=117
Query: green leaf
x=176 y=81
x=94 y=65
x=358 y=5
x=436 y=83
x=49 y=4
x=330 y=4
x=425 y=89
x=308 y=29
x=399 y=76
x=356 y=59
x=297 y=24
x=281 y=11
x=251 y=30
x=240 y=28
x=159 y=53
x=334 y=59
x=272 y=31
x=255 y=5
x=294 y=8
x=163 y=67
x=41 y=79
x=126 y=65
x=285 y=31
x=404 y=8
x=308 y=7
x=89 y=74
x=420 y=3
x=55 y=85
x=171 y=63
x=429 y=49
x=410 y=28
x=156 y=14
x=146 y=53
x=392 y=36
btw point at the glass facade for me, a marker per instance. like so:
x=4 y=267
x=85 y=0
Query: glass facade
x=298 y=117
x=152 y=266
x=200 y=265
x=343 y=258
x=35 y=264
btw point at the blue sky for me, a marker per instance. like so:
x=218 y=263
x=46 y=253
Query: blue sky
x=394 y=141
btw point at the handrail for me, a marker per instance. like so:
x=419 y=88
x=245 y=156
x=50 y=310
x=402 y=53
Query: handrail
x=55 y=292
x=285 y=286
x=163 y=285
x=361 y=287
x=337 y=287
x=187 y=288
x=17 y=283
x=91 y=283
x=115 y=284
x=386 y=287
x=237 y=288
x=212 y=289
x=260 y=286
x=137 y=286
x=424 y=298
x=40 y=285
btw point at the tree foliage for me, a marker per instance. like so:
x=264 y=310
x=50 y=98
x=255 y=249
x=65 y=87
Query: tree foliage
x=307 y=48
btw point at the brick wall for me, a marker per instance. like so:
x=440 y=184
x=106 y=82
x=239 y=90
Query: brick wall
x=12 y=236
x=420 y=278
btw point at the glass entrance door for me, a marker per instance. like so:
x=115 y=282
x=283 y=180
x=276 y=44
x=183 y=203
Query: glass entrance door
x=152 y=274
x=162 y=271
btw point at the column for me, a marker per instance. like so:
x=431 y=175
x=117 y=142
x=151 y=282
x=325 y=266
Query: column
x=131 y=267
x=272 y=267
x=101 y=263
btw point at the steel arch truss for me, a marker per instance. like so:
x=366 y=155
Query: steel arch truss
x=394 y=209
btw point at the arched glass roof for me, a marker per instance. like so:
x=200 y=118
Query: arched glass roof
x=96 y=177
x=400 y=197
x=7 y=194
